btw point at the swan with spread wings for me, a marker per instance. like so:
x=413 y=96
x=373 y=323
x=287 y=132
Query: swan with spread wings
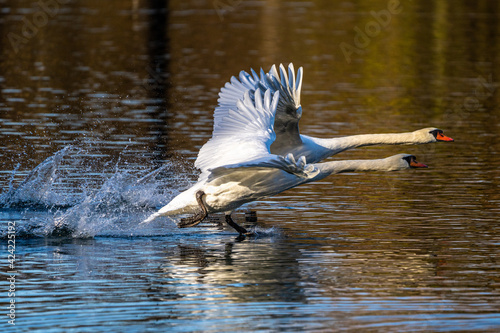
x=237 y=165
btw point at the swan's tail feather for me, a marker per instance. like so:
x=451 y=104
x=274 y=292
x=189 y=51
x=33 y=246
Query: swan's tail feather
x=151 y=218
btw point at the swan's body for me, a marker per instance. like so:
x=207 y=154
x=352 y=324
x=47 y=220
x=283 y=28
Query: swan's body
x=255 y=173
x=233 y=186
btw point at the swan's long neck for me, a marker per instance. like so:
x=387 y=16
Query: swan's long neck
x=384 y=164
x=328 y=147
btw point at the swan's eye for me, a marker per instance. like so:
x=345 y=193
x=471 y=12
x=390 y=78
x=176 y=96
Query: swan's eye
x=411 y=159
x=408 y=159
x=412 y=162
x=436 y=132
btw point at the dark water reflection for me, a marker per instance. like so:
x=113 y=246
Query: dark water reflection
x=131 y=85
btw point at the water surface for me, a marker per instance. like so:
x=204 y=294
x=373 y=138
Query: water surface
x=100 y=94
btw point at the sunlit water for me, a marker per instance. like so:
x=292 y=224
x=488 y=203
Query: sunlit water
x=104 y=108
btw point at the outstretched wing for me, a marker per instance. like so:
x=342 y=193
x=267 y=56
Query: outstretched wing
x=233 y=91
x=289 y=111
x=245 y=132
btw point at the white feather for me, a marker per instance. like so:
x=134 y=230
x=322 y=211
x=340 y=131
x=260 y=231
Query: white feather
x=242 y=134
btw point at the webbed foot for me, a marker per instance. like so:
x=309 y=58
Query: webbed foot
x=196 y=219
x=241 y=230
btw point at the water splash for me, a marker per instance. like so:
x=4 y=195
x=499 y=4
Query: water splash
x=77 y=192
x=38 y=187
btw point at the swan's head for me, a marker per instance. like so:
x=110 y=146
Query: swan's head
x=402 y=162
x=408 y=161
x=432 y=134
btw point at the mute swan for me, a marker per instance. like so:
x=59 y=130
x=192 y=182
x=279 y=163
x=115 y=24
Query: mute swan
x=245 y=170
x=286 y=125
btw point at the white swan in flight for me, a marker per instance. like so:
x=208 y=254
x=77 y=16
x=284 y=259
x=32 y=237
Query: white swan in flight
x=243 y=169
x=289 y=110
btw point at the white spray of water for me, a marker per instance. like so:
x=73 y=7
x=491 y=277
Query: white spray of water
x=77 y=196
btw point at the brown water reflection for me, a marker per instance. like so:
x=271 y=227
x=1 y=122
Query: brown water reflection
x=394 y=251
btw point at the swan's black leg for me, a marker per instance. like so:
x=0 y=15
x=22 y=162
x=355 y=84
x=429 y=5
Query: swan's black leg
x=240 y=229
x=198 y=217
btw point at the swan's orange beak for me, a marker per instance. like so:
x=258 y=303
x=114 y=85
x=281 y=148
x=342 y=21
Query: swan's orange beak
x=441 y=137
x=415 y=164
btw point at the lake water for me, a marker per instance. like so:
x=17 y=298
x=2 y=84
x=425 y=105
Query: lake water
x=96 y=95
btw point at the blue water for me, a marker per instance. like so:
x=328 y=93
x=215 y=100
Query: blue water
x=207 y=282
